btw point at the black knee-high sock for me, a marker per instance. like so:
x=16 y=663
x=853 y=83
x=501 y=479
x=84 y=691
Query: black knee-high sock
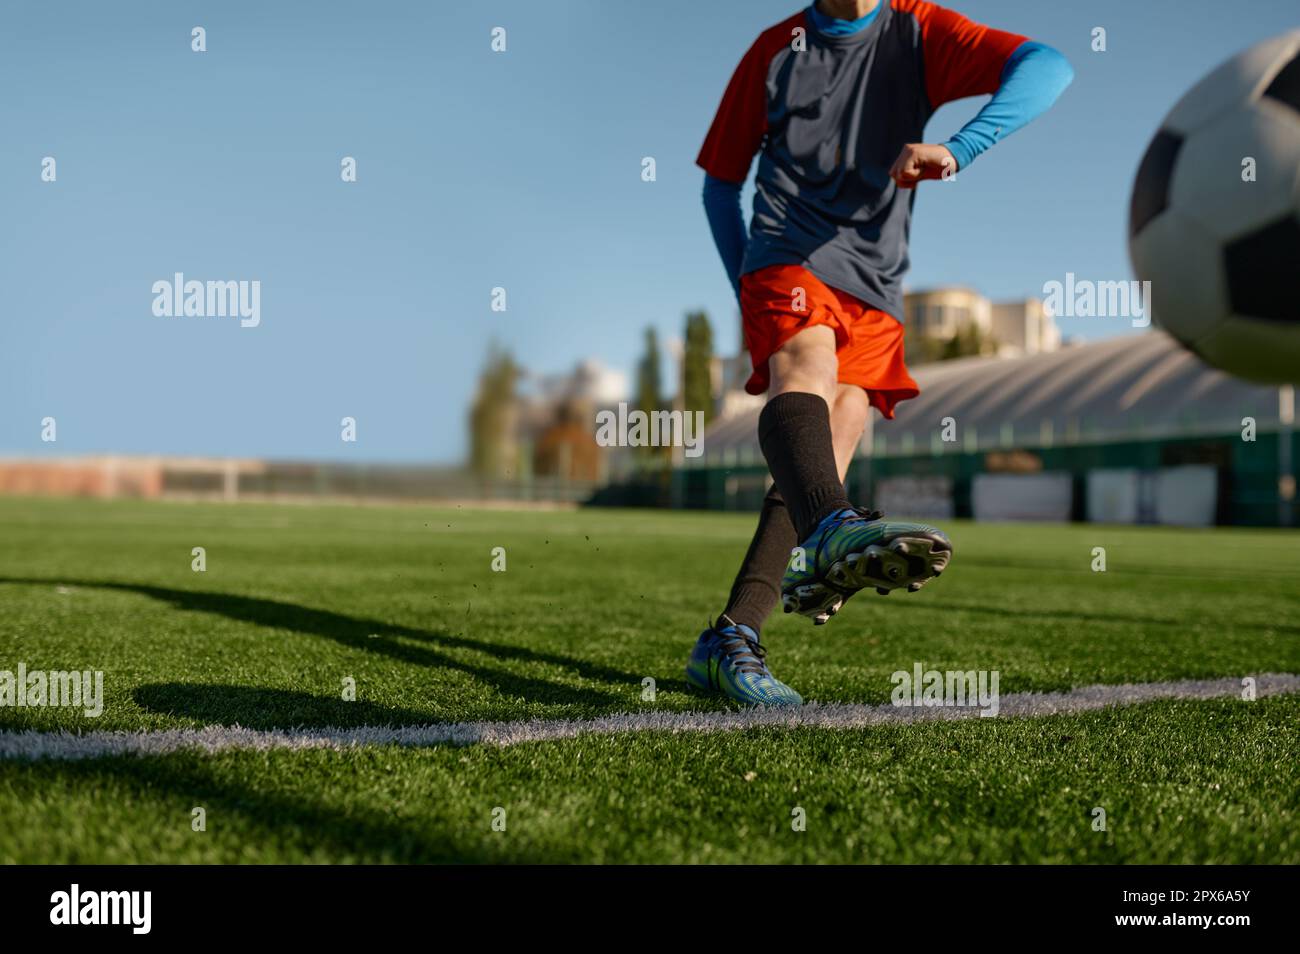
x=794 y=432
x=758 y=584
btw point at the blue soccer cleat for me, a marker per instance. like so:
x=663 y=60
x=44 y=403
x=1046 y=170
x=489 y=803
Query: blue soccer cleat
x=852 y=549
x=729 y=659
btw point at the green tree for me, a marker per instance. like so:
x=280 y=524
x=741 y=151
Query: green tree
x=649 y=380
x=697 y=365
x=494 y=447
x=967 y=342
x=649 y=385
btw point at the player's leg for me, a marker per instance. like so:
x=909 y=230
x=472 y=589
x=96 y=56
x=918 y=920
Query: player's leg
x=757 y=587
x=851 y=549
x=849 y=414
x=794 y=428
x=808 y=431
x=727 y=656
x=783 y=311
x=733 y=640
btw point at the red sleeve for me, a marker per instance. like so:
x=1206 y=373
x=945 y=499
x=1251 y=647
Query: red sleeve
x=962 y=58
x=741 y=121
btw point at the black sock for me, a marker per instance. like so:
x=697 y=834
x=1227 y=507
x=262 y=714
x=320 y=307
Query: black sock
x=758 y=584
x=794 y=432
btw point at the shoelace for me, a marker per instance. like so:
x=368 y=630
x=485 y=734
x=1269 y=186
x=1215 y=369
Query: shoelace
x=746 y=654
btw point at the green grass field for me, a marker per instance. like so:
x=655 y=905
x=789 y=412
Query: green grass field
x=403 y=600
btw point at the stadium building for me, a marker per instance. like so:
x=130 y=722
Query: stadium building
x=1007 y=329
x=1127 y=430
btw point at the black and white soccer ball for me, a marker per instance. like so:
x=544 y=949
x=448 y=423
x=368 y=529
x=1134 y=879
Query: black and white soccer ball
x=1214 y=222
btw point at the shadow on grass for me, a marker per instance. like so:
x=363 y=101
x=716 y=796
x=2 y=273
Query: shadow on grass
x=387 y=639
x=300 y=827
x=255 y=708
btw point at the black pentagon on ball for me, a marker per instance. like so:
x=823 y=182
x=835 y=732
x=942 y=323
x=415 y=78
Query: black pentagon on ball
x=1156 y=172
x=1285 y=87
x=1262 y=268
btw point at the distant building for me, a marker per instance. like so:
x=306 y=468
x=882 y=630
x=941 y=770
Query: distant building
x=943 y=312
x=1024 y=327
x=557 y=414
x=588 y=381
x=1008 y=329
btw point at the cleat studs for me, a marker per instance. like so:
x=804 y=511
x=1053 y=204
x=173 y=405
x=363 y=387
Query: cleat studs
x=913 y=587
x=882 y=591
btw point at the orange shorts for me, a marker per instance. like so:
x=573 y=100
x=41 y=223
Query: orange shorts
x=868 y=343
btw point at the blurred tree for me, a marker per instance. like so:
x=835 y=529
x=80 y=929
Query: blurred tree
x=697 y=366
x=649 y=387
x=967 y=342
x=493 y=417
x=649 y=383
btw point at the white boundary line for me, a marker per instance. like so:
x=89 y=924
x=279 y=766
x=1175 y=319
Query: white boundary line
x=31 y=744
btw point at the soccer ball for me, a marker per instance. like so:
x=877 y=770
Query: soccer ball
x=1214 y=222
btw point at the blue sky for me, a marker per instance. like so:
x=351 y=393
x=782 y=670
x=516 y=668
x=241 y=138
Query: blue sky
x=476 y=169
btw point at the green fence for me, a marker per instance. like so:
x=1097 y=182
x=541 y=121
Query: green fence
x=1248 y=475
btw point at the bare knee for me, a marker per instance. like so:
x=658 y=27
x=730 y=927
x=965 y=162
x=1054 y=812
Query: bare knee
x=806 y=363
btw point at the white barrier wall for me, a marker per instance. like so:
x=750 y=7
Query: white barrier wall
x=1045 y=496
x=1179 y=496
x=1186 y=496
x=922 y=498
x=1114 y=496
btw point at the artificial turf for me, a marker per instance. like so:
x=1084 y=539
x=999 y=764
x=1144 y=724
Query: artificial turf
x=404 y=601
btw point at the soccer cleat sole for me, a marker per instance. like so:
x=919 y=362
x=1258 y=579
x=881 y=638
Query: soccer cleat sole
x=904 y=562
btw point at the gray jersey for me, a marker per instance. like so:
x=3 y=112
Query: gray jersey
x=827 y=116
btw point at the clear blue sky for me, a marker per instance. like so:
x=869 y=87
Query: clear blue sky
x=476 y=169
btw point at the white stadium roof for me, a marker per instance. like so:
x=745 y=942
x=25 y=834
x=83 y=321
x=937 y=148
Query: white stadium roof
x=1135 y=387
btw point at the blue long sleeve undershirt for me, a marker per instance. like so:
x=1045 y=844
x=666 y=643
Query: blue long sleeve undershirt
x=1033 y=77
x=727 y=223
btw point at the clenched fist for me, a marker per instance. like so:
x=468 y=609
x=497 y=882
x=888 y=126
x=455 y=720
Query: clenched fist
x=919 y=161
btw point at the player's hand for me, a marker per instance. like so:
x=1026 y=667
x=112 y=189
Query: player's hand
x=919 y=161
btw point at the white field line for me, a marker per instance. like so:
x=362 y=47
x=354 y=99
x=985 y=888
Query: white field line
x=31 y=744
